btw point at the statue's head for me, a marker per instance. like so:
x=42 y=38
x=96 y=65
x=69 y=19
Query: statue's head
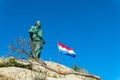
x=37 y=24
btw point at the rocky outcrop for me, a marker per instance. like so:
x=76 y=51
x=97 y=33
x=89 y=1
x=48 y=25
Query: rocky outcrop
x=49 y=71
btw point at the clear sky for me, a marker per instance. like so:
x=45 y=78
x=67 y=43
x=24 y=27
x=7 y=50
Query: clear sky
x=90 y=27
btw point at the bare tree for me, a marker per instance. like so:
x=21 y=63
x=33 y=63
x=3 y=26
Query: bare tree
x=23 y=49
x=21 y=46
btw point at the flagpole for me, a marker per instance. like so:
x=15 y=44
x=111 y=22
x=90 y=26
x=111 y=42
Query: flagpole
x=58 y=54
x=58 y=57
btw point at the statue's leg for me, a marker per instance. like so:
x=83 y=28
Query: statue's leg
x=38 y=53
x=38 y=50
x=34 y=46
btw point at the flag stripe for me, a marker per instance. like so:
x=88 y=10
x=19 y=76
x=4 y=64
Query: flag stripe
x=66 y=50
x=63 y=46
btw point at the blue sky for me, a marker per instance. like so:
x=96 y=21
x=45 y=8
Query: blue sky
x=90 y=27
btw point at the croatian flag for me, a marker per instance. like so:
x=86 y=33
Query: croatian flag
x=66 y=50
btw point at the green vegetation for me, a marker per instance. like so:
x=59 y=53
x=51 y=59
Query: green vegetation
x=54 y=76
x=78 y=69
x=12 y=62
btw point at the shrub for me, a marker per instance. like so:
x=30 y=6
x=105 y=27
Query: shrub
x=13 y=62
x=78 y=69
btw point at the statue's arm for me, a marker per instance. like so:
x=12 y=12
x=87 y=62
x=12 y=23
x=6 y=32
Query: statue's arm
x=40 y=34
x=31 y=30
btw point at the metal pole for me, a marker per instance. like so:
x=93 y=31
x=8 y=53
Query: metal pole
x=58 y=54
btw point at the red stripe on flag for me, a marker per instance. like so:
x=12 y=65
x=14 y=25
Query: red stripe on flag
x=63 y=46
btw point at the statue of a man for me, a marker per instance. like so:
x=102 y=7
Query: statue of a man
x=37 y=41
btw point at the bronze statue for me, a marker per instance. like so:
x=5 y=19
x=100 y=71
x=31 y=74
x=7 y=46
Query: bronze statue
x=37 y=41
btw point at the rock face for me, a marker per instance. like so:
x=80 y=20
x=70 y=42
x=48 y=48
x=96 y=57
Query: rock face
x=39 y=72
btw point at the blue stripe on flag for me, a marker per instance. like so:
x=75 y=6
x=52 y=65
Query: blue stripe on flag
x=67 y=53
